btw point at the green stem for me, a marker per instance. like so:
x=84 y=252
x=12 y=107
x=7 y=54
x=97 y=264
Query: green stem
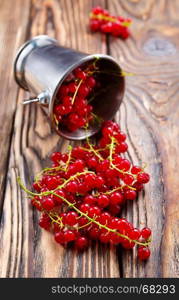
x=74 y=96
x=93 y=150
x=109 y=19
x=58 y=187
x=69 y=157
x=56 y=220
x=46 y=170
x=111 y=150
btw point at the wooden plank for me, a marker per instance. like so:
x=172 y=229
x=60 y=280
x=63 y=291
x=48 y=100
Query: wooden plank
x=150 y=114
x=13 y=30
x=26 y=250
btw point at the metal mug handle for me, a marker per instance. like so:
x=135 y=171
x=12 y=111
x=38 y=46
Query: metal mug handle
x=43 y=98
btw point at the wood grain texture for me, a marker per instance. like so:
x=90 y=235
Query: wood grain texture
x=12 y=35
x=149 y=115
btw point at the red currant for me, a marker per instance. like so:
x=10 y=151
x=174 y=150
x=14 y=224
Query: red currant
x=146 y=233
x=71 y=218
x=143 y=253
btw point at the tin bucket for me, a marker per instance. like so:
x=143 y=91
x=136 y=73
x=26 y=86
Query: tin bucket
x=41 y=66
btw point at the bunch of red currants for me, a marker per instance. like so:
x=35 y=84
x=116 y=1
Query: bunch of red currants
x=71 y=109
x=82 y=193
x=102 y=21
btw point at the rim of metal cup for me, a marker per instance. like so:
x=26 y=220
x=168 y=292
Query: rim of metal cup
x=82 y=132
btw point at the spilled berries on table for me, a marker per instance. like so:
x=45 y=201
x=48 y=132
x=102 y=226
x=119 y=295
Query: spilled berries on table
x=102 y=21
x=82 y=194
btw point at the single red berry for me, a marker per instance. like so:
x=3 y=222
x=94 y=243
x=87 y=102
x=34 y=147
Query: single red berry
x=94 y=233
x=59 y=237
x=143 y=253
x=91 y=82
x=124 y=165
x=36 y=202
x=107 y=132
x=124 y=226
x=94 y=25
x=74 y=118
x=63 y=217
x=138 y=186
x=106 y=28
x=71 y=218
x=56 y=156
x=130 y=195
x=72 y=87
x=135 y=170
x=116 y=28
x=114 y=223
x=116 y=198
x=125 y=33
x=103 y=166
x=134 y=234
x=63 y=90
x=51 y=182
x=115 y=209
x=82 y=221
x=80 y=74
x=58 y=197
x=128 y=244
x=89 y=199
x=117 y=159
x=78 y=152
x=143 y=178
x=37 y=186
x=85 y=208
x=104 y=218
x=111 y=173
x=92 y=162
x=82 y=188
x=105 y=12
x=71 y=187
x=56 y=227
x=90 y=180
x=81 y=243
x=114 y=238
x=146 y=232
x=104 y=238
x=121 y=137
x=128 y=179
x=99 y=182
x=69 y=236
x=48 y=203
x=94 y=211
x=122 y=147
x=83 y=90
x=44 y=222
x=67 y=101
x=64 y=157
x=68 y=109
x=103 y=201
x=78 y=165
x=97 y=10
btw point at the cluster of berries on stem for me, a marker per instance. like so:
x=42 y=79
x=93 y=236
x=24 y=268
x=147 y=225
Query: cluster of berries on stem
x=72 y=110
x=82 y=193
x=102 y=21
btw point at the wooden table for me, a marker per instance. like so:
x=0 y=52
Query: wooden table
x=149 y=114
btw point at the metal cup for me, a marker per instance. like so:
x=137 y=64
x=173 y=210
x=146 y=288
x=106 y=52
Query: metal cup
x=41 y=66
